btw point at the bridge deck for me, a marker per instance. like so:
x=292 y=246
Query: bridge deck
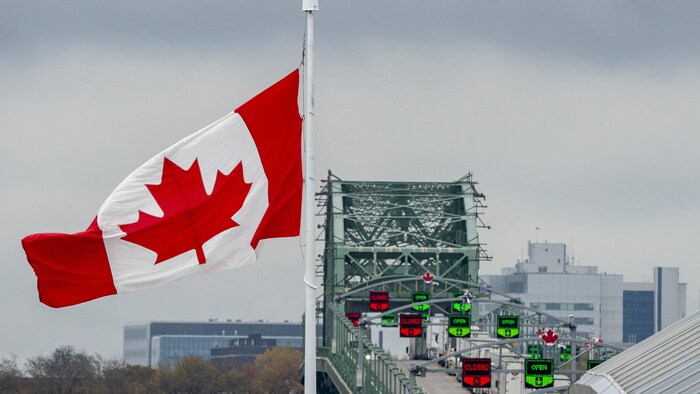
x=434 y=382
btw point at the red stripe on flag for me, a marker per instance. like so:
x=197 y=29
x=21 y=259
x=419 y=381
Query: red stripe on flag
x=274 y=123
x=70 y=268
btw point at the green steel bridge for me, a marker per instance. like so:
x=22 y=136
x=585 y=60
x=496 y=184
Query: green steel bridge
x=379 y=230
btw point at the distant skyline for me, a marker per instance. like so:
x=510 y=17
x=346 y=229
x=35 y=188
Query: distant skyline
x=577 y=118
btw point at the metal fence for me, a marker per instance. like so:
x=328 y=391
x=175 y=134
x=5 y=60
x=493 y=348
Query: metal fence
x=364 y=367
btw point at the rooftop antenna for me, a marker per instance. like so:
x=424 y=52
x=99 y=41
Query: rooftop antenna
x=572 y=250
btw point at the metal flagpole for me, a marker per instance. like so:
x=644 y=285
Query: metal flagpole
x=309 y=6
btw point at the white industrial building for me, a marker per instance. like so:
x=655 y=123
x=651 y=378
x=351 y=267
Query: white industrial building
x=599 y=303
x=669 y=297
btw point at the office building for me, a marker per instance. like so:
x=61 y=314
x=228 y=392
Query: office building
x=547 y=280
x=599 y=303
x=638 y=315
x=649 y=307
x=240 y=351
x=161 y=343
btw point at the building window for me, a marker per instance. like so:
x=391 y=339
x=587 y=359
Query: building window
x=516 y=287
x=583 y=307
x=553 y=306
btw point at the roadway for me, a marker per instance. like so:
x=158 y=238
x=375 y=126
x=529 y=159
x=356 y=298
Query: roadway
x=434 y=382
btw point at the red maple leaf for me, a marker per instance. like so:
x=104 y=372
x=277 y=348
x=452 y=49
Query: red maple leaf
x=428 y=277
x=190 y=216
x=549 y=338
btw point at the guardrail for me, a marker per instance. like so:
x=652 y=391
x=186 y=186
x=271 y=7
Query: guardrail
x=364 y=367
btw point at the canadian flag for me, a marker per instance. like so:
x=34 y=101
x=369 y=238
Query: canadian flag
x=200 y=206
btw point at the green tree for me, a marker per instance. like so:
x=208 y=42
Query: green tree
x=134 y=379
x=164 y=380
x=194 y=375
x=278 y=371
x=241 y=380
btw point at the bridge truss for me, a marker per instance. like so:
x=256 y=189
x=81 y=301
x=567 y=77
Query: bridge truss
x=375 y=230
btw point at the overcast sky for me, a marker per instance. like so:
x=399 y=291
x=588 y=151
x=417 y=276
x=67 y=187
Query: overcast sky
x=580 y=118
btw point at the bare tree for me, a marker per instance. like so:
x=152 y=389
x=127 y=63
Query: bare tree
x=65 y=371
x=10 y=375
x=69 y=371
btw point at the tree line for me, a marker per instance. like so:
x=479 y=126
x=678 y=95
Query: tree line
x=68 y=370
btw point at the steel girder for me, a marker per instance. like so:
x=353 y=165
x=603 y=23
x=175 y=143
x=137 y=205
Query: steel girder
x=385 y=229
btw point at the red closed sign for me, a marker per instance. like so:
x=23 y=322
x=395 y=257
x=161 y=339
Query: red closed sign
x=476 y=372
x=410 y=325
x=378 y=300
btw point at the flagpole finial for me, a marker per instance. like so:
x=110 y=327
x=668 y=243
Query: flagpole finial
x=309 y=5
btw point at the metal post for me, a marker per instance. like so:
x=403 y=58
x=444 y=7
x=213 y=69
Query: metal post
x=309 y=6
x=574 y=355
x=360 y=372
x=501 y=376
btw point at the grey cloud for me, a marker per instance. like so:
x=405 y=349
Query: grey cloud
x=179 y=25
x=617 y=32
x=604 y=31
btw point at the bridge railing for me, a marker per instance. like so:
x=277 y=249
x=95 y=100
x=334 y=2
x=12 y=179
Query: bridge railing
x=364 y=367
